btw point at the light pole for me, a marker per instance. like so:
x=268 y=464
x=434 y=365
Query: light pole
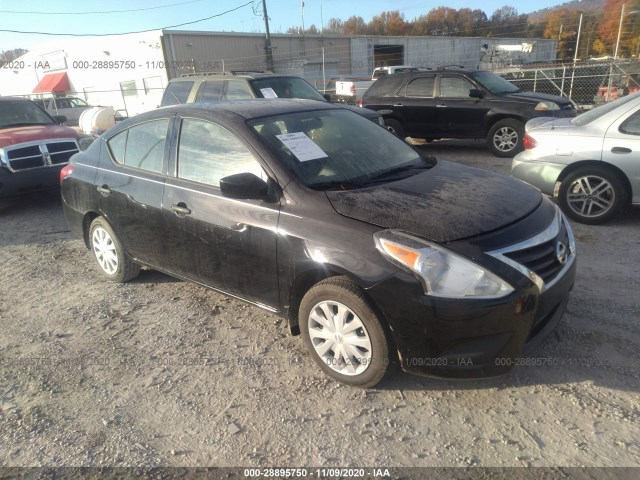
x=615 y=55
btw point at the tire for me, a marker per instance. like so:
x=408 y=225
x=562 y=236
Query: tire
x=505 y=138
x=592 y=195
x=361 y=365
x=394 y=127
x=112 y=260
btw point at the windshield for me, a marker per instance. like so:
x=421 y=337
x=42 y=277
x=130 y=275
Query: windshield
x=285 y=87
x=494 y=83
x=22 y=113
x=591 y=115
x=337 y=149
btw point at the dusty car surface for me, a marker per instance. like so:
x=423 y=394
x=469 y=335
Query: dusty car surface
x=33 y=147
x=372 y=251
x=461 y=103
x=589 y=163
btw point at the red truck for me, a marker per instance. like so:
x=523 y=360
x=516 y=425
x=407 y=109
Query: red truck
x=33 y=147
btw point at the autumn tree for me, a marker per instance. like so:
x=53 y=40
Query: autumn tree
x=354 y=26
x=442 y=21
x=610 y=24
x=388 y=23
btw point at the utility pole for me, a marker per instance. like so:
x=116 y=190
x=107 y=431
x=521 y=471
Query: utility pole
x=267 y=39
x=615 y=55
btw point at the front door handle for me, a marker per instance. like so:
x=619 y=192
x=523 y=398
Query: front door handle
x=104 y=190
x=441 y=105
x=397 y=105
x=620 y=150
x=180 y=209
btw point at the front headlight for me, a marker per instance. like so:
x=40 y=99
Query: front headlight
x=442 y=273
x=547 y=105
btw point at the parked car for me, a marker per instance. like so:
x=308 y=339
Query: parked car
x=382 y=71
x=220 y=86
x=70 y=107
x=33 y=147
x=461 y=103
x=589 y=164
x=368 y=248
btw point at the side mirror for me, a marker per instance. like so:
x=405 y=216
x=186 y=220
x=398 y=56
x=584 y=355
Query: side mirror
x=476 y=93
x=243 y=186
x=59 y=119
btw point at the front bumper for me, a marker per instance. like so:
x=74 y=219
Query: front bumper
x=471 y=338
x=35 y=180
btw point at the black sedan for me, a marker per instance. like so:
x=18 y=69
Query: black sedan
x=374 y=252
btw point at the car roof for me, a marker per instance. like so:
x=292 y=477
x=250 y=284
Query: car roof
x=13 y=99
x=232 y=74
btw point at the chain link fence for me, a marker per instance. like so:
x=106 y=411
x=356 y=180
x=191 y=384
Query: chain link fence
x=587 y=84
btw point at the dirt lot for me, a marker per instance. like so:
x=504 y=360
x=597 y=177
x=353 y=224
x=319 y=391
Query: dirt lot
x=163 y=372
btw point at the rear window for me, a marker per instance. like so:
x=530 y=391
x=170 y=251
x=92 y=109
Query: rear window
x=176 y=93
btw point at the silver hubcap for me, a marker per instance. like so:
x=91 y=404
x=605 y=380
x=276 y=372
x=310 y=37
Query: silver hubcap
x=590 y=196
x=340 y=338
x=105 y=250
x=505 y=139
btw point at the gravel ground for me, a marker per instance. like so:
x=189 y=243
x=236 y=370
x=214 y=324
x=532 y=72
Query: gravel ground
x=160 y=372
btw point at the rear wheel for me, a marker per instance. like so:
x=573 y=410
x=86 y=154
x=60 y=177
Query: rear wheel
x=343 y=334
x=592 y=195
x=505 y=138
x=394 y=127
x=113 y=261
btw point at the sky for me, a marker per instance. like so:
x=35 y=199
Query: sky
x=66 y=16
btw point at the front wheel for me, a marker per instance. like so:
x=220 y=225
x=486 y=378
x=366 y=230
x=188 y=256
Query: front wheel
x=592 y=195
x=505 y=138
x=343 y=334
x=108 y=251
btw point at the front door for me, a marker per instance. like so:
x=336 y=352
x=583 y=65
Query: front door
x=223 y=243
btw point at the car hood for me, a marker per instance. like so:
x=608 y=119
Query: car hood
x=539 y=97
x=445 y=203
x=33 y=133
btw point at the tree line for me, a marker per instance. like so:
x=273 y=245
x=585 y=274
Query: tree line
x=598 y=36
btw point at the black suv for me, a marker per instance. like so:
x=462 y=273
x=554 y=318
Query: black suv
x=461 y=103
x=216 y=87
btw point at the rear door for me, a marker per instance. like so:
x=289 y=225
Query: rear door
x=415 y=102
x=130 y=182
x=223 y=243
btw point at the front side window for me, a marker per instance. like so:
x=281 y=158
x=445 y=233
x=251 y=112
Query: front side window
x=208 y=152
x=141 y=146
x=237 y=91
x=455 y=87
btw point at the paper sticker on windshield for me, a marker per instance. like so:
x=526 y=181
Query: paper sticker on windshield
x=302 y=146
x=268 y=93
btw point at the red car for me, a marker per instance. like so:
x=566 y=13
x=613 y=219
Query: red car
x=33 y=147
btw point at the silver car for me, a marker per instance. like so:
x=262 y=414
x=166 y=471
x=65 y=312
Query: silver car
x=590 y=164
x=70 y=107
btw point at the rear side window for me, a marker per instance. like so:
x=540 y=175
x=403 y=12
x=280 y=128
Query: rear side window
x=141 y=146
x=207 y=152
x=176 y=93
x=421 y=87
x=210 y=91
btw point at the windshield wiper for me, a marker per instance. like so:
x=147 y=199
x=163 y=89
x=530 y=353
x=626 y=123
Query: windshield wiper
x=338 y=185
x=397 y=172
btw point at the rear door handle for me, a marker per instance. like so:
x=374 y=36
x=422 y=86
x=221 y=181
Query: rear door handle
x=620 y=150
x=180 y=209
x=441 y=105
x=397 y=105
x=104 y=190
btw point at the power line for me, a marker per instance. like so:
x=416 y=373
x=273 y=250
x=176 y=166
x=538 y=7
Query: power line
x=98 y=12
x=126 y=33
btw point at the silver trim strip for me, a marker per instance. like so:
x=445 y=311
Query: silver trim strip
x=549 y=233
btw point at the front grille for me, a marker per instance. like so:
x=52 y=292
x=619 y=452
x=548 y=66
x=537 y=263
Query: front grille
x=40 y=154
x=543 y=258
